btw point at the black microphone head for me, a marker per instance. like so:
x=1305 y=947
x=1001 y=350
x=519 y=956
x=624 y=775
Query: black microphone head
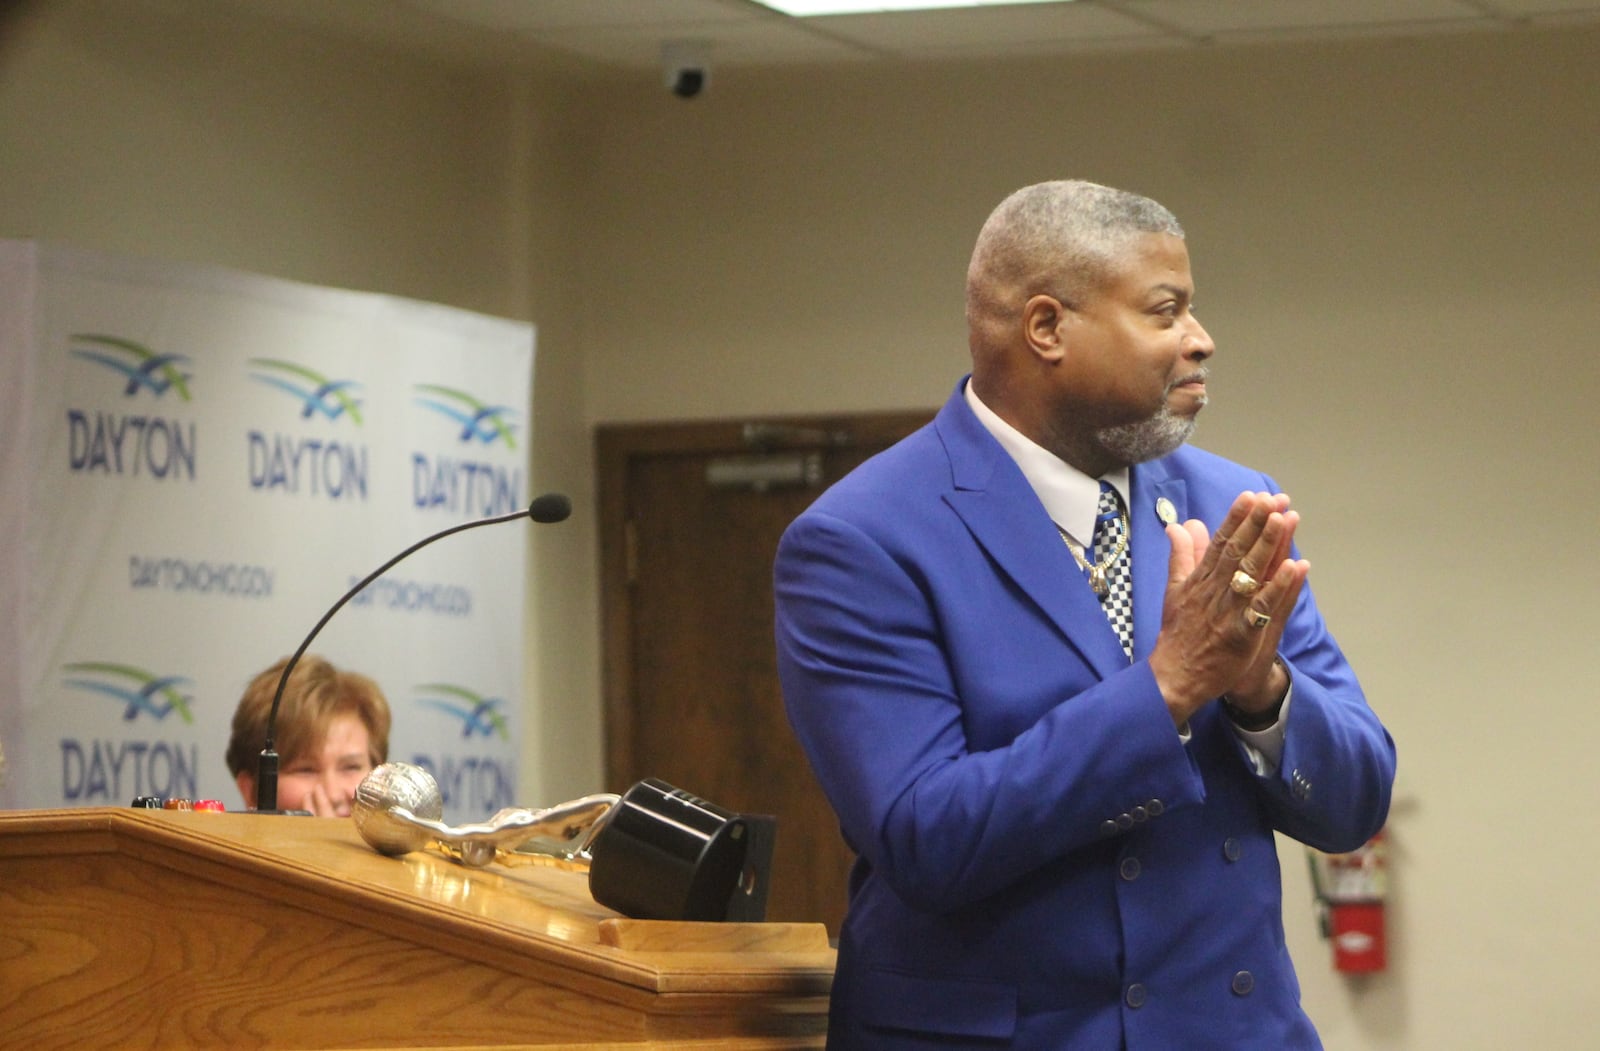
x=550 y=507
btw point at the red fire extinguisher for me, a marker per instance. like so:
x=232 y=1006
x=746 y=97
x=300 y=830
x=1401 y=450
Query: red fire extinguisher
x=1350 y=891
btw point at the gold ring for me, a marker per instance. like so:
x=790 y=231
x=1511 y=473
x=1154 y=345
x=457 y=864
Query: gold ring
x=1243 y=583
x=1255 y=618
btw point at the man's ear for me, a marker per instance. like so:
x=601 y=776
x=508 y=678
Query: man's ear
x=1044 y=326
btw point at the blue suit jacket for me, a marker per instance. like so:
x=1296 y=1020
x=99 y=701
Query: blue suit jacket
x=1042 y=863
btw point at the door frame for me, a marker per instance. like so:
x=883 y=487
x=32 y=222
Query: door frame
x=616 y=445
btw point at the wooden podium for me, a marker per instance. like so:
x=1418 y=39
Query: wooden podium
x=156 y=929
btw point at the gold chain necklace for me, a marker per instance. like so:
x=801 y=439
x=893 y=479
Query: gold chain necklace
x=1097 y=572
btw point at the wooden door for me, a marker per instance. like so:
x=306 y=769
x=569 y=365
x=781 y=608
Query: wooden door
x=690 y=517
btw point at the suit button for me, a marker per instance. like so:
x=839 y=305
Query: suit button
x=1129 y=869
x=1155 y=808
x=1231 y=849
x=1300 y=786
x=1243 y=983
x=1108 y=827
x=1140 y=815
x=1135 y=996
x=1124 y=821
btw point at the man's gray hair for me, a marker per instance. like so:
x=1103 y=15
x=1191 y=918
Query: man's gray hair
x=1060 y=238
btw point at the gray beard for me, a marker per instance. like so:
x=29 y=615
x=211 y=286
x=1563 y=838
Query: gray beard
x=1147 y=439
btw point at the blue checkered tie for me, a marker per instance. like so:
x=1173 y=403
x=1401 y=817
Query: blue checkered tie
x=1108 y=534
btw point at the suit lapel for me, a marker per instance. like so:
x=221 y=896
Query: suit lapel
x=1150 y=548
x=1003 y=514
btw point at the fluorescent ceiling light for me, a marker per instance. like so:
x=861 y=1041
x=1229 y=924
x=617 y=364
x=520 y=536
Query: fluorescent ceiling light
x=808 y=8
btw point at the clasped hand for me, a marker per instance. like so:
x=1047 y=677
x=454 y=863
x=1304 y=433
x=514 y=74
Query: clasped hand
x=1210 y=644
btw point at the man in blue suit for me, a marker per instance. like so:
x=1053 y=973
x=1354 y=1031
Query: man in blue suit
x=1063 y=815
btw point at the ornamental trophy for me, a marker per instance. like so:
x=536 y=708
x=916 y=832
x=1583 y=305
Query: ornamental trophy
x=654 y=852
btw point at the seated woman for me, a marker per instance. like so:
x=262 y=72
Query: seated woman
x=333 y=728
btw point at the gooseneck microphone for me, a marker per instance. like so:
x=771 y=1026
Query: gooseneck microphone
x=546 y=508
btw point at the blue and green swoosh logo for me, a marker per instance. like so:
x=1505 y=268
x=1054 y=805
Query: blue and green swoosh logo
x=140 y=692
x=317 y=394
x=142 y=368
x=478 y=421
x=480 y=716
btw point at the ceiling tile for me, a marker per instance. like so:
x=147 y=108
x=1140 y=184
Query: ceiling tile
x=601 y=36
x=549 y=16
x=1571 y=8
x=999 y=29
x=744 y=44
x=1212 y=17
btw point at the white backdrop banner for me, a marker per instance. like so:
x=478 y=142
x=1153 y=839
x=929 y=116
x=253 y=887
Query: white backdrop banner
x=197 y=464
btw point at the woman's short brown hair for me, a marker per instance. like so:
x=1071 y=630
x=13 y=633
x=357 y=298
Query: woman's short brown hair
x=315 y=693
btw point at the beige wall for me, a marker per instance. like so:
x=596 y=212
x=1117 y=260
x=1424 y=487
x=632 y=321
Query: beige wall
x=1395 y=249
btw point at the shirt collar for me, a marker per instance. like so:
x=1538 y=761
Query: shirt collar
x=1070 y=497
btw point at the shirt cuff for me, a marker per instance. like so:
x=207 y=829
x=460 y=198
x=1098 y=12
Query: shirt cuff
x=1265 y=747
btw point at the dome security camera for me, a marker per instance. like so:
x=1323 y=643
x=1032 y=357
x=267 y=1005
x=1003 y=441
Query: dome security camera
x=685 y=67
x=686 y=82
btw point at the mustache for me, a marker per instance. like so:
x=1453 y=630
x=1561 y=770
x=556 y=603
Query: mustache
x=1197 y=376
